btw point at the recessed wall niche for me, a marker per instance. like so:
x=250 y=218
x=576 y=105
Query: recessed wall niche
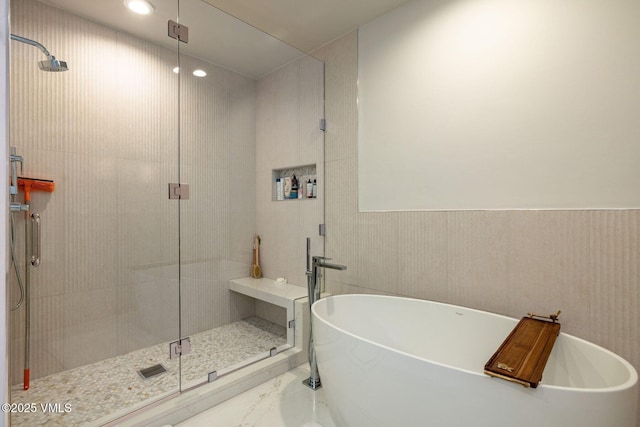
x=306 y=174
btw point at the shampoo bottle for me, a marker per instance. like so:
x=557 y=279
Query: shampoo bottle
x=279 y=189
x=309 y=189
x=294 y=187
x=287 y=188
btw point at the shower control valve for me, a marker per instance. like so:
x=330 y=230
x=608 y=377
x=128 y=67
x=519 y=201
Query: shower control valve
x=17 y=207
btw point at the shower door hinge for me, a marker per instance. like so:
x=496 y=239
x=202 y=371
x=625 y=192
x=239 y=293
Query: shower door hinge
x=323 y=125
x=178 y=32
x=178 y=191
x=291 y=324
x=179 y=348
x=322 y=229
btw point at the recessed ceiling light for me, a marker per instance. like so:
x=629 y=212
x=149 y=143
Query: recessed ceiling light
x=199 y=73
x=176 y=70
x=140 y=7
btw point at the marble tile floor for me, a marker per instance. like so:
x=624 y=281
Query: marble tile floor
x=281 y=402
x=112 y=385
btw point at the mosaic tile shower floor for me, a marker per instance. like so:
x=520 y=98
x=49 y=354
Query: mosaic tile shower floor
x=103 y=388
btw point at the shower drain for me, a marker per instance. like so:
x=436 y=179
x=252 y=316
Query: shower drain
x=152 y=371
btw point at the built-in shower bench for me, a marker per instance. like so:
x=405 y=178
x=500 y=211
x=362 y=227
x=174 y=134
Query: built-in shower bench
x=266 y=290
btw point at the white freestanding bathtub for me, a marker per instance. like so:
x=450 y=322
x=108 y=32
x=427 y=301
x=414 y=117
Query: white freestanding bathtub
x=390 y=361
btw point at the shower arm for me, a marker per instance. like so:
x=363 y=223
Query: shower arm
x=33 y=43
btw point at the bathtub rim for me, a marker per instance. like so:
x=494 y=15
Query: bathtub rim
x=631 y=382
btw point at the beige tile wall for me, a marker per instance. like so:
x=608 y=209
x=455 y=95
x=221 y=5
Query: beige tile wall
x=510 y=262
x=289 y=107
x=107 y=133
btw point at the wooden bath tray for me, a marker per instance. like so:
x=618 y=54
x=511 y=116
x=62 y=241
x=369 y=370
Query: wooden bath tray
x=522 y=356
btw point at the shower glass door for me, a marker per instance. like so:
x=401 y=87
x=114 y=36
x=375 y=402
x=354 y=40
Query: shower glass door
x=218 y=220
x=103 y=304
x=250 y=108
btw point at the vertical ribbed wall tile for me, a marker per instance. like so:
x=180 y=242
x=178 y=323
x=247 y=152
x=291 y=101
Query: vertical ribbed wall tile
x=615 y=298
x=377 y=263
x=311 y=105
x=341 y=76
x=476 y=259
x=289 y=106
x=422 y=256
x=548 y=265
x=342 y=220
x=286 y=104
x=341 y=179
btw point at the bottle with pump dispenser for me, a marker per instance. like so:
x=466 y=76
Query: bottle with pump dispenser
x=315 y=189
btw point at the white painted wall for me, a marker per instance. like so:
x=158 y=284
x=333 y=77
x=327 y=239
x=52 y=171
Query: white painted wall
x=495 y=104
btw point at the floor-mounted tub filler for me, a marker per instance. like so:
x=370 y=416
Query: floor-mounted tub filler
x=400 y=361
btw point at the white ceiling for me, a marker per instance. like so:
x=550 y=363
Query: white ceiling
x=217 y=37
x=307 y=24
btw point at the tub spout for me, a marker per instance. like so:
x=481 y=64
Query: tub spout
x=314 y=276
x=320 y=261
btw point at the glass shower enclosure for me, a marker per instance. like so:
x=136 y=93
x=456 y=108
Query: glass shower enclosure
x=162 y=143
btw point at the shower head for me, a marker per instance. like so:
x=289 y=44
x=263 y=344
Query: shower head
x=51 y=64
